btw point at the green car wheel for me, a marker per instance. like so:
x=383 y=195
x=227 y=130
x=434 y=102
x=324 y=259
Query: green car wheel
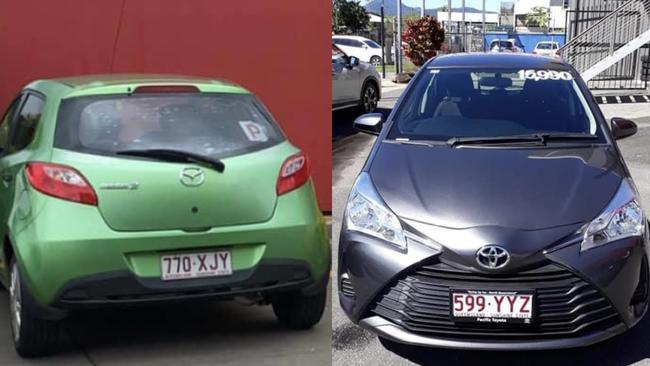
x=32 y=336
x=299 y=311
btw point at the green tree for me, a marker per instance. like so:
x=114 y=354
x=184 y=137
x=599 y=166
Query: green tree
x=422 y=38
x=538 y=18
x=350 y=16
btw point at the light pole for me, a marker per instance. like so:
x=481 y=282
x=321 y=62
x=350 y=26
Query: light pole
x=483 y=27
x=483 y=16
x=464 y=29
x=422 y=10
x=398 y=58
x=449 y=38
x=336 y=17
x=383 y=42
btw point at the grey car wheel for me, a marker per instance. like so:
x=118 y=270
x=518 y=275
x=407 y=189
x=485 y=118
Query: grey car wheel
x=375 y=61
x=369 y=97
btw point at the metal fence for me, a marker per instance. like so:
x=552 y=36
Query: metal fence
x=470 y=41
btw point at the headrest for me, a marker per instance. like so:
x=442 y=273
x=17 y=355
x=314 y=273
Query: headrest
x=494 y=82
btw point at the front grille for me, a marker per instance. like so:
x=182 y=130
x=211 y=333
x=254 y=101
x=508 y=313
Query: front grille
x=565 y=305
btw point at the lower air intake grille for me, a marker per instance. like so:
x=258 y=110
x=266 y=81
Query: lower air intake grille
x=346 y=286
x=565 y=305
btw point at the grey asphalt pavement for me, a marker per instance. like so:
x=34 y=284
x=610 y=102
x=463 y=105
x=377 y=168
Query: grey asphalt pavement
x=206 y=333
x=353 y=346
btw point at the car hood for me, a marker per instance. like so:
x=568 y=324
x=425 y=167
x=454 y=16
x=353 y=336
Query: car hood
x=525 y=189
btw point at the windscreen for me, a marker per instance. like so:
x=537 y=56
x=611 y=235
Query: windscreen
x=545 y=46
x=372 y=44
x=211 y=124
x=337 y=53
x=454 y=102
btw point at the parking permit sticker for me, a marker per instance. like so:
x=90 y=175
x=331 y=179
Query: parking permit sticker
x=253 y=131
x=538 y=75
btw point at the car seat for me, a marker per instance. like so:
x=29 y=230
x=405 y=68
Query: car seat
x=455 y=91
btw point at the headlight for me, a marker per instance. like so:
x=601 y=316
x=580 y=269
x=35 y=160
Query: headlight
x=622 y=218
x=367 y=213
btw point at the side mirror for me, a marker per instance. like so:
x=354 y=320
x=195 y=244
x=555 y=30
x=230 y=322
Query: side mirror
x=370 y=123
x=622 y=128
x=353 y=61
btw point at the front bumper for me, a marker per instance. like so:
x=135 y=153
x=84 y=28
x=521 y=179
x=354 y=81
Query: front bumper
x=393 y=332
x=76 y=262
x=376 y=291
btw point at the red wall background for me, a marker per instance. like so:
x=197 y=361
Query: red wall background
x=278 y=49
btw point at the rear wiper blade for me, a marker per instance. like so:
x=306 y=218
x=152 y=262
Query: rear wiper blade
x=176 y=156
x=539 y=138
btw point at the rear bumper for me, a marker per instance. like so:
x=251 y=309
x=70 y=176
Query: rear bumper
x=122 y=288
x=67 y=248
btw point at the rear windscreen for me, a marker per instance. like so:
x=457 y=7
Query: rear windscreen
x=211 y=124
x=502 y=44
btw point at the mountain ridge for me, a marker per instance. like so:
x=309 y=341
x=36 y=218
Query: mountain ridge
x=390 y=9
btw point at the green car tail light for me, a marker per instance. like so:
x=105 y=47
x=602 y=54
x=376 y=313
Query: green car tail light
x=293 y=173
x=60 y=181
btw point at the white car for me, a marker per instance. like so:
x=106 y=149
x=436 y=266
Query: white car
x=362 y=48
x=506 y=45
x=354 y=83
x=546 y=48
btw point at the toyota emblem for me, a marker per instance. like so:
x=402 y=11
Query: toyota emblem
x=492 y=257
x=192 y=177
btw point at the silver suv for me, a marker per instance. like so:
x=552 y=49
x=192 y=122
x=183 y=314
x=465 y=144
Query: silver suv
x=354 y=83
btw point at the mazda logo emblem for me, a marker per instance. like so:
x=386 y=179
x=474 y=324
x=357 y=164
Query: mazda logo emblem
x=492 y=257
x=192 y=177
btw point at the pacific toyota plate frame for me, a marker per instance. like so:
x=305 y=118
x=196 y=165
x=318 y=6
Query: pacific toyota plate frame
x=493 y=292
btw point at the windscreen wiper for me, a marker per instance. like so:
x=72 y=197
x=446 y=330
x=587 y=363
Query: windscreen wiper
x=538 y=138
x=176 y=156
x=428 y=143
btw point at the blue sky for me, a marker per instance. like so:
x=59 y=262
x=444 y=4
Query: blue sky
x=490 y=5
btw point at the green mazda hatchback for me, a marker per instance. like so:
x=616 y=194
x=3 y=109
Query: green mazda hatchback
x=133 y=189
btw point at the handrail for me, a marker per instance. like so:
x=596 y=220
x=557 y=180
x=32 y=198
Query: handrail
x=625 y=23
x=574 y=39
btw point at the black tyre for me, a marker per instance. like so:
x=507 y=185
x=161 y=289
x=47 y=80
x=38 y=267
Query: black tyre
x=375 y=61
x=32 y=336
x=369 y=97
x=297 y=311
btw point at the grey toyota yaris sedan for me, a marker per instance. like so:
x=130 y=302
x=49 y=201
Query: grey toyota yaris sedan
x=495 y=212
